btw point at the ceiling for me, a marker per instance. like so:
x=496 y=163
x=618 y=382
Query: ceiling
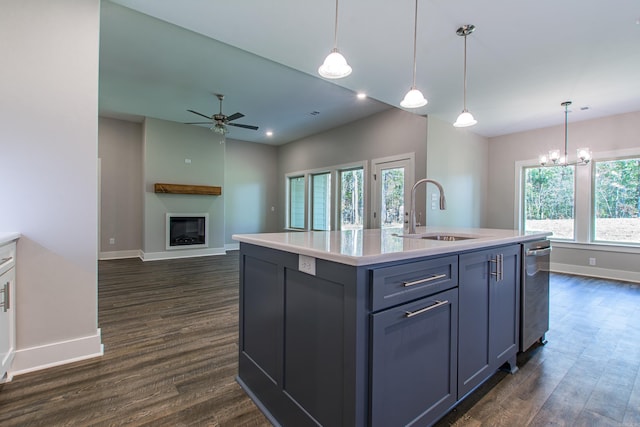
x=159 y=58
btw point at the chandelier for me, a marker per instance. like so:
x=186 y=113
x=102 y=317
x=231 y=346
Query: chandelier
x=556 y=158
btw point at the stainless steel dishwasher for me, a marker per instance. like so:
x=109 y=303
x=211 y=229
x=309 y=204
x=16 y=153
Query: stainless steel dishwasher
x=534 y=309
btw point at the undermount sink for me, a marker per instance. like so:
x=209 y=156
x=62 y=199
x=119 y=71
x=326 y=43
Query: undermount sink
x=439 y=236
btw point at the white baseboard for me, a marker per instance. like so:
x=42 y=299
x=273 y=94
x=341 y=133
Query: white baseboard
x=232 y=246
x=55 y=354
x=182 y=253
x=603 y=273
x=135 y=253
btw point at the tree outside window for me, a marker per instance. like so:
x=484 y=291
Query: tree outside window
x=351 y=199
x=617 y=201
x=549 y=195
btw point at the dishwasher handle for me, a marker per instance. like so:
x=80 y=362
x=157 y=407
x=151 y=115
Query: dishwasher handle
x=538 y=252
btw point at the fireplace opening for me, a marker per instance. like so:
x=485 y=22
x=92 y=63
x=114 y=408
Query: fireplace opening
x=187 y=231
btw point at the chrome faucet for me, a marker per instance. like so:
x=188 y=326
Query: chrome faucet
x=412 y=215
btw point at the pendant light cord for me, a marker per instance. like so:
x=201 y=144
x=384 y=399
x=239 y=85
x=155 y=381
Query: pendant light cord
x=335 y=31
x=415 y=37
x=464 y=96
x=566 y=133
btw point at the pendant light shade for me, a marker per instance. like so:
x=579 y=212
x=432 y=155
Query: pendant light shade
x=335 y=65
x=414 y=98
x=465 y=118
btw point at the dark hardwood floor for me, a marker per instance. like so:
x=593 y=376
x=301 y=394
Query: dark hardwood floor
x=170 y=334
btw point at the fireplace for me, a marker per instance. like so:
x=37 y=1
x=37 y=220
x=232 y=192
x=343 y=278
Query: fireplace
x=187 y=231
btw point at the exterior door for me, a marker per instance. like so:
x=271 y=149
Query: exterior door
x=392 y=181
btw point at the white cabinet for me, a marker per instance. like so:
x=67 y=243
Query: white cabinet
x=7 y=307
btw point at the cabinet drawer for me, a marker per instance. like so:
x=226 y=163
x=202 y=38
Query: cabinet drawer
x=405 y=282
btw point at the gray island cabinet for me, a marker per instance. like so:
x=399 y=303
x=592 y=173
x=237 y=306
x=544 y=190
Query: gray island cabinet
x=374 y=329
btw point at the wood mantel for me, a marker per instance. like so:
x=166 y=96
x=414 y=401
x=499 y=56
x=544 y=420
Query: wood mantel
x=206 y=190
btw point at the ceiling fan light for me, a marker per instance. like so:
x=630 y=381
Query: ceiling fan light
x=413 y=99
x=335 y=66
x=465 y=119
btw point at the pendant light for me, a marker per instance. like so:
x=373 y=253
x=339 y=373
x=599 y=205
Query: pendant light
x=335 y=66
x=414 y=98
x=465 y=118
x=555 y=156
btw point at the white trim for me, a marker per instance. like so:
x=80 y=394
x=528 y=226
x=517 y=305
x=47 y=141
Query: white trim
x=603 y=273
x=55 y=354
x=597 y=246
x=232 y=246
x=186 y=253
x=134 y=253
x=407 y=161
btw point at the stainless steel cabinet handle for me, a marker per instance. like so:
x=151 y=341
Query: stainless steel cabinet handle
x=499 y=262
x=424 y=310
x=428 y=279
x=538 y=252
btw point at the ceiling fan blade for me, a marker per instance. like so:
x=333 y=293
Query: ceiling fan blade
x=238 y=125
x=234 y=116
x=199 y=123
x=200 y=114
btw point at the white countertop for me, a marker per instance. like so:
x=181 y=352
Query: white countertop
x=363 y=247
x=8 y=237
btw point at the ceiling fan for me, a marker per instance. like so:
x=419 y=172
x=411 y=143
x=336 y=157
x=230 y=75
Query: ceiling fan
x=220 y=121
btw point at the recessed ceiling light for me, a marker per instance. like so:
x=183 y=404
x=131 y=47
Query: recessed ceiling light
x=269 y=133
x=361 y=95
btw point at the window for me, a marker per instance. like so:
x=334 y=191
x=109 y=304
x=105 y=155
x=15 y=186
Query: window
x=549 y=194
x=327 y=199
x=321 y=201
x=296 y=202
x=392 y=208
x=352 y=199
x=616 y=198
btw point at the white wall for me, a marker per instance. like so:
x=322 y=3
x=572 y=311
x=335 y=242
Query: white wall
x=166 y=147
x=251 y=189
x=48 y=167
x=458 y=159
x=120 y=151
x=606 y=134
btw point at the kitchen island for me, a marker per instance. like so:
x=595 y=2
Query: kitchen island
x=372 y=328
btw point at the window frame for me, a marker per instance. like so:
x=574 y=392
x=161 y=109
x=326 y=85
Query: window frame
x=289 y=199
x=592 y=218
x=335 y=189
x=584 y=204
x=523 y=212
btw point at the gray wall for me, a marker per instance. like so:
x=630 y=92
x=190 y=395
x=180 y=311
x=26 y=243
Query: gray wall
x=618 y=132
x=48 y=141
x=389 y=133
x=120 y=151
x=251 y=189
x=166 y=148
x=458 y=159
